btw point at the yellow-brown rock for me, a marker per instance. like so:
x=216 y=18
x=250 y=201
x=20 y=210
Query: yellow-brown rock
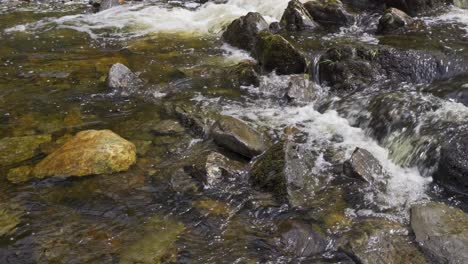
x=88 y=152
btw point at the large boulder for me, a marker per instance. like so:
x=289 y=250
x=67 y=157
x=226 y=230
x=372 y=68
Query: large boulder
x=275 y=53
x=123 y=79
x=357 y=67
x=88 y=152
x=17 y=149
x=392 y=20
x=242 y=32
x=380 y=241
x=236 y=136
x=418 y=7
x=363 y=166
x=244 y=73
x=329 y=13
x=453 y=165
x=296 y=17
x=441 y=231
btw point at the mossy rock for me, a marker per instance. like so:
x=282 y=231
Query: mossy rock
x=17 y=149
x=212 y=207
x=157 y=243
x=275 y=53
x=8 y=221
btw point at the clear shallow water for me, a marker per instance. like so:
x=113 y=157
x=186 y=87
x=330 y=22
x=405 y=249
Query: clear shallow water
x=52 y=80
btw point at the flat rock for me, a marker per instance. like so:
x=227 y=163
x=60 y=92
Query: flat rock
x=88 y=152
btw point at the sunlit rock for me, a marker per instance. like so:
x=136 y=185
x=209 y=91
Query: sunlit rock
x=363 y=166
x=242 y=32
x=392 y=20
x=88 y=152
x=442 y=232
x=122 y=79
x=16 y=149
x=236 y=136
x=275 y=53
x=297 y=18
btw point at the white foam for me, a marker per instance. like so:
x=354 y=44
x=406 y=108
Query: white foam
x=455 y=15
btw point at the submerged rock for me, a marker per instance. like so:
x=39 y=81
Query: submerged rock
x=242 y=32
x=418 y=7
x=392 y=20
x=8 y=222
x=157 y=243
x=88 y=152
x=380 y=241
x=363 y=166
x=123 y=79
x=275 y=53
x=236 y=136
x=329 y=13
x=20 y=174
x=297 y=239
x=441 y=231
x=182 y=182
x=17 y=149
x=453 y=165
x=297 y=18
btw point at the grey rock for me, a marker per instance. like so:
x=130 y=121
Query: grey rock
x=300 y=90
x=123 y=79
x=329 y=13
x=236 y=136
x=392 y=20
x=442 y=232
x=297 y=239
x=363 y=166
x=183 y=183
x=242 y=32
x=418 y=7
x=297 y=18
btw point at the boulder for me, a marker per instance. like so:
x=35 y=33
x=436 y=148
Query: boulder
x=380 y=241
x=236 y=136
x=17 y=149
x=88 y=152
x=242 y=32
x=452 y=171
x=123 y=80
x=329 y=13
x=297 y=239
x=300 y=90
x=275 y=53
x=297 y=18
x=245 y=73
x=363 y=166
x=441 y=231
x=392 y=20
x=418 y=7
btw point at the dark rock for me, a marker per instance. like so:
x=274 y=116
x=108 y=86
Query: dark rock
x=275 y=27
x=418 y=7
x=244 y=73
x=441 y=231
x=183 y=183
x=275 y=53
x=329 y=13
x=297 y=239
x=380 y=241
x=296 y=17
x=351 y=68
x=453 y=165
x=363 y=166
x=101 y=5
x=242 y=32
x=392 y=20
x=123 y=79
x=236 y=136
x=358 y=5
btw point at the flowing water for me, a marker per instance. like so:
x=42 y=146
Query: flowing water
x=54 y=59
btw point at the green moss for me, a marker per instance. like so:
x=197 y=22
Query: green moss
x=8 y=222
x=16 y=149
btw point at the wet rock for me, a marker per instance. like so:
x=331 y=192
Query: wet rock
x=275 y=53
x=329 y=13
x=418 y=7
x=453 y=165
x=16 y=149
x=441 y=231
x=88 y=152
x=380 y=241
x=212 y=207
x=20 y=174
x=363 y=166
x=275 y=27
x=461 y=3
x=142 y=146
x=244 y=73
x=300 y=90
x=236 y=136
x=157 y=243
x=352 y=68
x=297 y=18
x=359 y=5
x=168 y=127
x=242 y=32
x=8 y=221
x=101 y=5
x=122 y=79
x=297 y=239
x=392 y=20
x=195 y=119
x=182 y=182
